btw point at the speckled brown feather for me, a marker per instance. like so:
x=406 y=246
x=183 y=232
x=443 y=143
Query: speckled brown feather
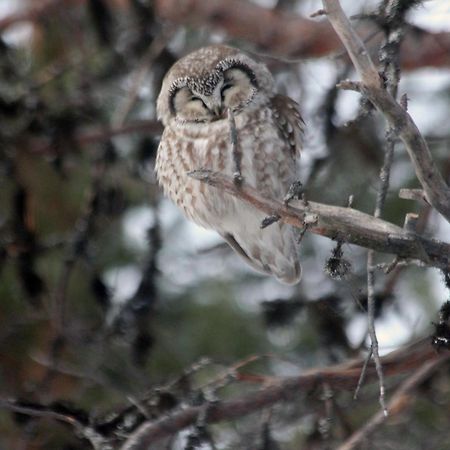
x=289 y=121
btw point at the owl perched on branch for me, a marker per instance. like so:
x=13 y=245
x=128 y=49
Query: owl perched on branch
x=199 y=94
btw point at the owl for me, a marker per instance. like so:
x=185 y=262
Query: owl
x=198 y=93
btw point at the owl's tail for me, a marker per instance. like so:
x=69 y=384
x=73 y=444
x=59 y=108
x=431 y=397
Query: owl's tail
x=271 y=251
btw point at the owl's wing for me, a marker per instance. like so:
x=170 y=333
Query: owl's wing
x=289 y=121
x=240 y=251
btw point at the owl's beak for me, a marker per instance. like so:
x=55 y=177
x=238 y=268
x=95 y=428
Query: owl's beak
x=218 y=110
x=215 y=106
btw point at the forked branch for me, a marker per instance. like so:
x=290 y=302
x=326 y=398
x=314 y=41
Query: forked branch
x=434 y=185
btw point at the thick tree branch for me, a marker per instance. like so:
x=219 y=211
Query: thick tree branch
x=291 y=35
x=342 y=377
x=436 y=190
x=335 y=222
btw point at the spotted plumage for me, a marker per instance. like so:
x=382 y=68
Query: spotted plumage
x=196 y=95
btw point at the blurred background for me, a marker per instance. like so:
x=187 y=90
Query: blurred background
x=107 y=292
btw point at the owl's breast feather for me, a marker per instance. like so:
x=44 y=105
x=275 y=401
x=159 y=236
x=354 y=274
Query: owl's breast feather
x=264 y=164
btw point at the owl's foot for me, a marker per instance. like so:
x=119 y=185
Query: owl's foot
x=295 y=191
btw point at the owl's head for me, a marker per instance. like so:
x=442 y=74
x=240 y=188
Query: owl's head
x=203 y=85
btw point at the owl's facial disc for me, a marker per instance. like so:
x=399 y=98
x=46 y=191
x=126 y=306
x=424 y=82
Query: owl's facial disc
x=233 y=90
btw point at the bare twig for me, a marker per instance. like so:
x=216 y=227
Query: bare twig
x=412 y=194
x=371 y=326
x=389 y=57
x=334 y=222
x=437 y=191
x=38 y=412
x=325 y=420
x=363 y=374
x=411 y=383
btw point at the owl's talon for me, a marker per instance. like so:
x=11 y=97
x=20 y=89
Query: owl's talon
x=295 y=191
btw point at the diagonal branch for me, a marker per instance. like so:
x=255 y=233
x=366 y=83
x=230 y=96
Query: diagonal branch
x=436 y=190
x=335 y=222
